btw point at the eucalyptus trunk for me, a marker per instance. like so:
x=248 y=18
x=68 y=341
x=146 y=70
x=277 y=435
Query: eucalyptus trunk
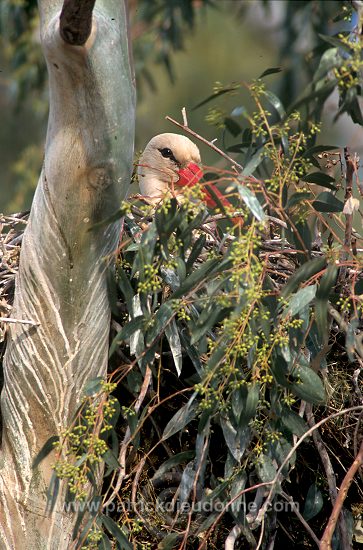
x=62 y=281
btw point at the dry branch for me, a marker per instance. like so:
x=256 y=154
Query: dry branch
x=325 y=543
x=76 y=21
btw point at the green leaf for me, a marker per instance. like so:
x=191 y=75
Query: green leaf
x=212 y=516
x=214 y=95
x=271 y=70
x=195 y=252
x=326 y=202
x=93 y=386
x=181 y=418
x=253 y=162
x=276 y=103
x=117 y=533
x=45 y=450
x=126 y=288
x=321 y=179
x=175 y=460
x=79 y=521
x=293 y=422
x=328 y=61
x=169 y=541
x=266 y=469
x=236 y=440
x=358 y=288
x=216 y=357
x=279 y=451
x=327 y=283
x=172 y=335
x=209 y=318
x=313 y=502
x=237 y=486
x=250 y=396
x=298 y=198
x=251 y=202
x=298 y=301
x=308 y=386
x=111 y=460
x=319 y=92
x=232 y=126
x=105 y=543
x=307 y=270
x=160 y=320
x=127 y=330
x=353 y=109
x=197 y=276
x=191 y=351
x=333 y=41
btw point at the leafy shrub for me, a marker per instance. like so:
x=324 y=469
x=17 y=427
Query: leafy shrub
x=225 y=337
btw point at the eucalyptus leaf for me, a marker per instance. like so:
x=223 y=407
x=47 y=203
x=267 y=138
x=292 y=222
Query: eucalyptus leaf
x=327 y=283
x=313 y=502
x=128 y=330
x=300 y=300
x=115 y=530
x=326 y=202
x=196 y=277
x=303 y=273
x=320 y=179
x=251 y=202
x=111 y=460
x=173 y=461
x=254 y=162
x=169 y=541
x=161 y=319
x=181 y=418
x=271 y=70
x=266 y=469
x=308 y=386
x=293 y=422
x=93 y=386
x=275 y=102
x=172 y=335
x=126 y=288
x=236 y=439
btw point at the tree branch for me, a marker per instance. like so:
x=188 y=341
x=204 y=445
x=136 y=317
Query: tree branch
x=203 y=140
x=325 y=542
x=330 y=475
x=76 y=21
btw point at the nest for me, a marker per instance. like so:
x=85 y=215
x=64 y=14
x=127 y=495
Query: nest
x=11 y=236
x=281 y=261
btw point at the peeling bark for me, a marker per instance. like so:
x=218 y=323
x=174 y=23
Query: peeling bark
x=62 y=282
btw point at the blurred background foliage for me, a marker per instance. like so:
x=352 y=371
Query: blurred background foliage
x=182 y=48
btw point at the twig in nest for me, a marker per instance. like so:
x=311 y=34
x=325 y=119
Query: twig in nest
x=19 y=321
x=325 y=542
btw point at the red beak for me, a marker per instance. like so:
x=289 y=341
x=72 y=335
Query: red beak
x=191 y=175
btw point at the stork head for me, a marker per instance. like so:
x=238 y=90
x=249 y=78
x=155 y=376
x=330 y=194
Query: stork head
x=168 y=160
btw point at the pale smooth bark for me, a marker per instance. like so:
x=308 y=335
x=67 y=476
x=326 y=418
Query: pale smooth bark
x=62 y=282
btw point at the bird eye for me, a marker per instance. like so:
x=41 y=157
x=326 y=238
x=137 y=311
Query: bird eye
x=167 y=153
